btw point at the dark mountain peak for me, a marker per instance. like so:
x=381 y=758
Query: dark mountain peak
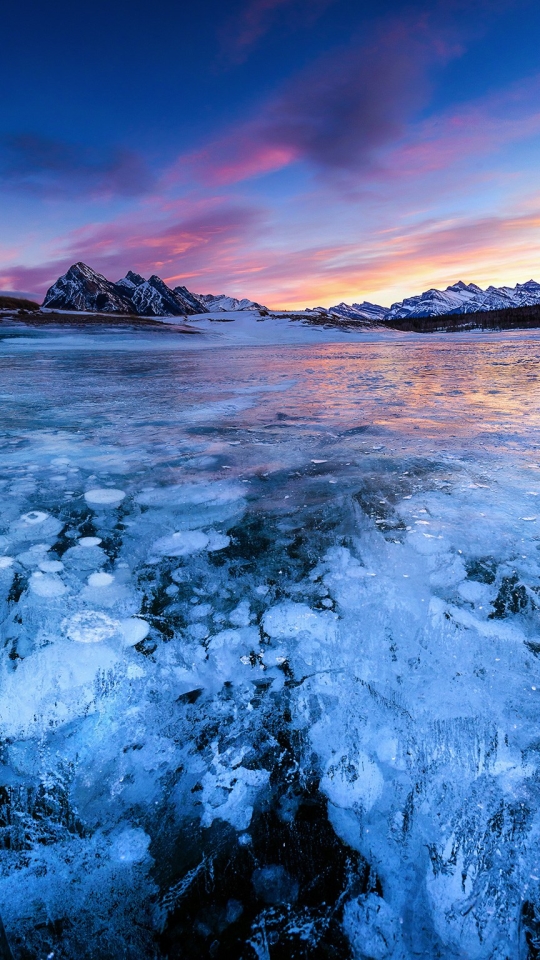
x=134 y=278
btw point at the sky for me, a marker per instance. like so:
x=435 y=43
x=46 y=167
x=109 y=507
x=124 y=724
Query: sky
x=297 y=152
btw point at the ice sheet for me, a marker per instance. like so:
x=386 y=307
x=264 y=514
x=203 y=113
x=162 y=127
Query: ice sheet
x=270 y=629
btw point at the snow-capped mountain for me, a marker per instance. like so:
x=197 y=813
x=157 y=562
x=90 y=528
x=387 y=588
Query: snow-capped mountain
x=221 y=302
x=153 y=298
x=458 y=298
x=81 y=288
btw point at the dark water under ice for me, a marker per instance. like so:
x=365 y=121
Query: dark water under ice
x=270 y=679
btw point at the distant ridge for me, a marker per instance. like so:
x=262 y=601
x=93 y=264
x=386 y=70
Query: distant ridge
x=458 y=298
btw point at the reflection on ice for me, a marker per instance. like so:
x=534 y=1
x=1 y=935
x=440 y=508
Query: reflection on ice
x=286 y=710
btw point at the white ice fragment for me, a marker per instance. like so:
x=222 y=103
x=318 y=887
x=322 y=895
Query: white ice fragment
x=532 y=519
x=6 y=562
x=319 y=461
x=47 y=585
x=90 y=626
x=51 y=566
x=181 y=544
x=288 y=619
x=133 y=630
x=241 y=615
x=100 y=579
x=130 y=846
x=89 y=541
x=104 y=496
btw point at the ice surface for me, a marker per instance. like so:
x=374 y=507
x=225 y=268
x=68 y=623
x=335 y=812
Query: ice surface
x=246 y=711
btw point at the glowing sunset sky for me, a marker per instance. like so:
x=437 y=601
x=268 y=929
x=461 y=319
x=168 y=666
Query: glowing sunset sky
x=293 y=151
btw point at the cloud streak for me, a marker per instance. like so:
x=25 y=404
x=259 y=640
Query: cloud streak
x=53 y=168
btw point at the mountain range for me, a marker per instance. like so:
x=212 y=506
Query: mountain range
x=81 y=288
x=458 y=298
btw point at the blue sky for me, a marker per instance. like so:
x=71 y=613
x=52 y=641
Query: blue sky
x=293 y=151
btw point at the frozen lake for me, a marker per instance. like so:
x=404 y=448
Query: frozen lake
x=270 y=647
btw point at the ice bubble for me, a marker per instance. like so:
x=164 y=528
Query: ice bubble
x=100 y=579
x=104 y=496
x=274 y=885
x=89 y=541
x=133 y=630
x=90 y=626
x=6 y=562
x=181 y=544
x=131 y=845
x=372 y=928
x=217 y=541
x=51 y=566
x=34 y=517
x=47 y=586
x=352 y=781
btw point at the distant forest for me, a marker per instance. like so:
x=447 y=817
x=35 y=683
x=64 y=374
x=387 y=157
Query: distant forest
x=514 y=318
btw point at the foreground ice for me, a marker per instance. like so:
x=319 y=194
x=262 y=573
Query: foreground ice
x=270 y=680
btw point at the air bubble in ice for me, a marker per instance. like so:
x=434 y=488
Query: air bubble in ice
x=89 y=541
x=104 y=496
x=90 y=626
x=181 y=544
x=131 y=845
x=100 y=579
x=34 y=517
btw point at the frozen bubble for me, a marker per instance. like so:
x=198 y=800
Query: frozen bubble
x=352 y=781
x=133 y=630
x=34 y=517
x=104 y=496
x=100 y=579
x=274 y=885
x=131 y=845
x=372 y=928
x=90 y=626
x=89 y=541
x=6 y=562
x=47 y=585
x=51 y=566
x=217 y=541
x=181 y=544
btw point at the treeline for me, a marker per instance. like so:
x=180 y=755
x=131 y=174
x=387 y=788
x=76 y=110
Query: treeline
x=512 y=318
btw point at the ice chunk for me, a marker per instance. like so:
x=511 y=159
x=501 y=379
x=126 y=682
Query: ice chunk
x=6 y=562
x=51 y=687
x=104 y=496
x=287 y=620
x=90 y=541
x=34 y=517
x=133 y=630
